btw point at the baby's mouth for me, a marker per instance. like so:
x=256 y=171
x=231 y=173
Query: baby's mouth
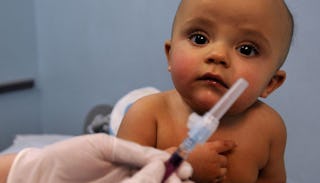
x=215 y=79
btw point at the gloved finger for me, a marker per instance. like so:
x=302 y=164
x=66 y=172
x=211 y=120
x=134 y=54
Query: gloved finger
x=123 y=151
x=131 y=153
x=188 y=181
x=151 y=173
x=174 y=178
x=185 y=171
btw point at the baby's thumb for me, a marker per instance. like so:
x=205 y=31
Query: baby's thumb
x=224 y=146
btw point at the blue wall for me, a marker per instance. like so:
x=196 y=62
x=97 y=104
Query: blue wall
x=19 y=111
x=298 y=100
x=84 y=53
x=93 y=52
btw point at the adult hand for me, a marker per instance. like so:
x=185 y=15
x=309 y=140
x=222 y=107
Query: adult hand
x=93 y=158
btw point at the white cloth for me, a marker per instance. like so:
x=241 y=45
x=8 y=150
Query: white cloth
x=121 y=107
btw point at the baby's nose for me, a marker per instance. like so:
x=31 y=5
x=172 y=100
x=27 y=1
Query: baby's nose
x=218 y=54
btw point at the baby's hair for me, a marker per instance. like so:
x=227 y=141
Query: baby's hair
x=291 y=20
x=291 y=29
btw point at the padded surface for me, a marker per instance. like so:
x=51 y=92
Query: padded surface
x=33 y=140
x=98 y=115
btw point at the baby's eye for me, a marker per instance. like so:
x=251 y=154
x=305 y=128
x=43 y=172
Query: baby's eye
x=248 y=50
x=198 y=39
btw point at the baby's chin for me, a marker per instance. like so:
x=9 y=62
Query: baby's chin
x=234 y=111
x=204 y=106
x=239 y=107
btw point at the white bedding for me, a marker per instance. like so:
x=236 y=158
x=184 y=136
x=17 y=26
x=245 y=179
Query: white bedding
x=33 y=140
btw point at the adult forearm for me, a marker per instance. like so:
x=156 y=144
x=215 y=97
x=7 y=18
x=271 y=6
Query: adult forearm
x=5 y=165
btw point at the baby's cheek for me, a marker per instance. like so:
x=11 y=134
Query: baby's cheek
x=181 y=68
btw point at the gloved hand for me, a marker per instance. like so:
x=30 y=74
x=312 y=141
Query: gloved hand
x=93 y=158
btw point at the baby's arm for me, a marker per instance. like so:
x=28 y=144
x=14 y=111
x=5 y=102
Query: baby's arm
x=274 y=171
x=139 y=124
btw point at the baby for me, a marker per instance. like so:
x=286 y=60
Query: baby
x=213 y=43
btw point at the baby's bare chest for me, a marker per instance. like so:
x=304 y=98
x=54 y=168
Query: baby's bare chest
x=244 y=161
x=247 y=159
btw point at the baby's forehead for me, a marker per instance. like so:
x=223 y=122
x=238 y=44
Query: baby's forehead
x=271 y=15
x=267 y=13
x=229 y=6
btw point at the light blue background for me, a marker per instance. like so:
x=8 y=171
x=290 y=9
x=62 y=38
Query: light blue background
x=87 y=52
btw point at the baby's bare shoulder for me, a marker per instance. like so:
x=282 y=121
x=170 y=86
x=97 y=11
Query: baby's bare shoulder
x=140 y=121
x=271 y=126
x=267 y=117
x=151 y=102
x=263 y=111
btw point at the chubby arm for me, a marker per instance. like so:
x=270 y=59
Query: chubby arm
x=274 y=171
x=139 y=123
x=5 y=165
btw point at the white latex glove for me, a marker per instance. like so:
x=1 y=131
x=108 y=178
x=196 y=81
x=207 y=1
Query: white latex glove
x=93 y=158
x=153 y=173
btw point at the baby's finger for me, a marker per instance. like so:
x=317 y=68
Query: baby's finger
x=222 y=146
x=223 y=171
x=223 y=161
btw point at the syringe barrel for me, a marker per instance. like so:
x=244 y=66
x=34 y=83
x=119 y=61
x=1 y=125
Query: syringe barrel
x=201 y=133
x=187 y=146
x=174 y=162
x=221 y=107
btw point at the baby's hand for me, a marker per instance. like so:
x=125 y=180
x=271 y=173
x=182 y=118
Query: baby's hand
x=209 y=161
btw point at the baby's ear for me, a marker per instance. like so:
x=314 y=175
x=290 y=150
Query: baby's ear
x=276 y=81
x=167 y=48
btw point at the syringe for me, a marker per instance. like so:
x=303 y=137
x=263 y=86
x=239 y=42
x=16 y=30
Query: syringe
x=202 y=127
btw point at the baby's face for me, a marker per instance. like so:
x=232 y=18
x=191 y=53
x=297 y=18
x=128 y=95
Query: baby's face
x=215 y=42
